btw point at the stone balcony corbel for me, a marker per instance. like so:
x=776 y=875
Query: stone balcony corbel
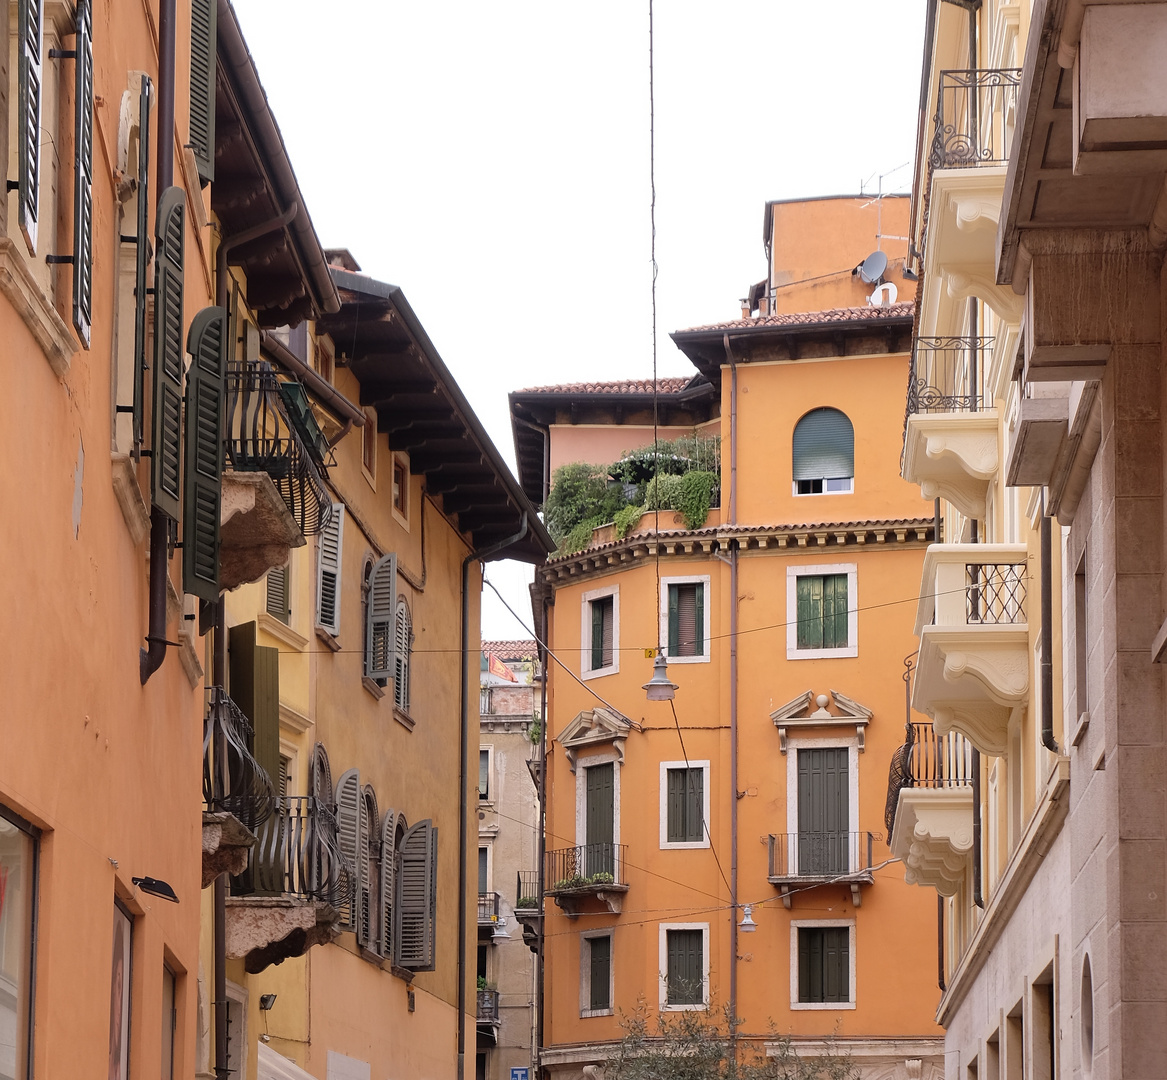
x=933 y=835
x=953 y=456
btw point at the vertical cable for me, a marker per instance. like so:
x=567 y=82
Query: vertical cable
x=655 y=385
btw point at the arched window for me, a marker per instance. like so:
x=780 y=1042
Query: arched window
x=403 y=646
x=824 y=453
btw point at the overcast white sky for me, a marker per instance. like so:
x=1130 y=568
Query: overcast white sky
x=492 y=159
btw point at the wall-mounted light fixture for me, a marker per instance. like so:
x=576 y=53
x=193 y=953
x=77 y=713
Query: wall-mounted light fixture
x=156 y=887
x=266 y=1001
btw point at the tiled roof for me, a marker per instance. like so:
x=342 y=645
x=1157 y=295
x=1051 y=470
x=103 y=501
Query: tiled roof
x=813 y=318
x=511 y=650
x=614 y=386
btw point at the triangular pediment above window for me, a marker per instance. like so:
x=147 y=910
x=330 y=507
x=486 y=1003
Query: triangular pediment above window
x=594 y=727
x=809 y=711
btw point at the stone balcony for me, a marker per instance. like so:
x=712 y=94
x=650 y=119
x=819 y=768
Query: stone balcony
x=973 y=666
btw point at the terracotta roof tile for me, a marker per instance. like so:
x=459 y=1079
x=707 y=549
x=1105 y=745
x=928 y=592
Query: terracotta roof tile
x=614 y=386
x=812 y=318
x=511 y=650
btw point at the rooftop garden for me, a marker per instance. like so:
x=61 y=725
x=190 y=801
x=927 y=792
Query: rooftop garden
x=683 y=475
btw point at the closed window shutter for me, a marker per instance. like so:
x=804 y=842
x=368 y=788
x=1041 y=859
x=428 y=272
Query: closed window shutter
x=484 y=774
x=686 y=620
x=278 y=602
x=809 y=964
x=607 y=608
x=695 y=806
x=600 y=975
x=809 y=600
x=380 y=629
x=674 y=620
x=823 y=810
x=404 y=645
x=202 y=86
x=483 y=870
x=835 y=611
x=600 y=820
x=417 y=887
x=83 y=173
x=167 y=369
x=203 y=473
x=370 y=876
x=320 y=781
x=824 y=446
x=836 y=963
x=597 y=636
x=30 y=27
x=686 y=969
x=388 y=881
x=352 y=849
x=331 y=547
x=141 y=255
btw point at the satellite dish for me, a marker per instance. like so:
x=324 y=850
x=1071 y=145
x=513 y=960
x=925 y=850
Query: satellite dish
x=872 y=268
x=884 y=296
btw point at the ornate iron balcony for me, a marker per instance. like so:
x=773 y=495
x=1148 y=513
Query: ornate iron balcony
x=817 y=855
x=527 y=899
x=264 y=434
x=948 y=375
x=588 y=868
x=974 y=118
x=927 y=760
x=233 y=781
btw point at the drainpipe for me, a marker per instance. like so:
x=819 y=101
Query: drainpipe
x=978 y=897
x=536 y=1050
x=320 y=388
x=150 y=658
x=464 y=741
x=733 y=618
x=1047 y=626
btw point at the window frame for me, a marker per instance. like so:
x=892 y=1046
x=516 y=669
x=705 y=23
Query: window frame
x=400 y=513
x=796 y=1004
x=683 y=845
x=793 y=573
x=793 y=746
x=581 y=795
x=585 y=653
x=689 y=579
x=824 y=480
x=663 y=957
x=486 y=797
x=34 y=834
x=585 y=972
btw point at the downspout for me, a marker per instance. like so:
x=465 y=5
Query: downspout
x=464 y=742
x=536 y=1051
x=978 y=897
x=733 y=619
x=1047 y=626
x=319 y=387
x=150 y=658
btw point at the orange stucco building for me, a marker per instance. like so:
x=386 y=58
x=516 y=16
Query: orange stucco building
x=786 y=619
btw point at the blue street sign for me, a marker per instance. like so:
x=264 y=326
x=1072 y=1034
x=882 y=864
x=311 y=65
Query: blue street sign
x=520 y=1074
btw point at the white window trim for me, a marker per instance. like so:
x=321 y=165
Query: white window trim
x=400 y=457
x=819 y=494
x=793 y=745
x=664 y=965
x=585 y=974
x=585 y=632
x=489 y=800
x=821 y=1006
x=581 y=795
x=488 y=843
x=793 y=652
x=692 y=579
x=664 y=805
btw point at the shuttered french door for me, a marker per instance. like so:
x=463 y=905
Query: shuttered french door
x=600 y=855
x=823 y=810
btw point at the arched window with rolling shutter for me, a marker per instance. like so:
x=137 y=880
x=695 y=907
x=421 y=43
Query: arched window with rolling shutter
x=824 y=453
x=403 y=645
x=368 y=901
x=350 y=816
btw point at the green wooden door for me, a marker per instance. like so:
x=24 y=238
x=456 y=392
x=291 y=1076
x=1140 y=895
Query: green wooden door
x=823 y=810
x=599 y=858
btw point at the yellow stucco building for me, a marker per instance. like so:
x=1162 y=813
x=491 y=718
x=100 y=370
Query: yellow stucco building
x=786 y=618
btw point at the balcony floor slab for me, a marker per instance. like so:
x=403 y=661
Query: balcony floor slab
x=257 y=529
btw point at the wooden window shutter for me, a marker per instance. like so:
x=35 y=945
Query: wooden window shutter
x=685 y=967
x=203 y=471
x=170 y=228
x=823 y=810
x=388 y=881
x=836 y=963
x=349 y=817
x=380 y=622
x=141 y=255
x=320 y=780
x=370 y=863
x=675 y=799
x=686 y=620
x=278 y=601
x=403 y=629
x=30 y=29
x=695 y=805
x=600 y=975
x=807 y=939
x=835 y=611
x=331 y=549
x=83 y=172
x=417 y=890
x=202 y=86
x=809 y=600
x=597 y=635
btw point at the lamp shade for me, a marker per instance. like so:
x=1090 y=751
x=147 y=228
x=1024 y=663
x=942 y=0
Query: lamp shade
x=659 y=687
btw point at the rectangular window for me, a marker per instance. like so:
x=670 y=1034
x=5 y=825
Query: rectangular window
x=600 y=819
x=484 y=774
x=119 y=996
x=824 y=964
x=597 y=958
x=822 y=611
x=685 y=974
x=685 y=801
x=369 y=443
x=483 y=870
x=602 y=611
x=168 y=1022
x=278 y=593
x=400 y=487
x=687 y=619
x=18 y=882
x=323 y=361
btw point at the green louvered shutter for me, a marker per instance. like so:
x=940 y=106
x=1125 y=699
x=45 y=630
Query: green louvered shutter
x=824 y=446
x=278 y=599
x=836 y=963
x=141 y=255
x=203 y=473
x=167 y=427
x=351 y=843
x=674 y=620
x=823 y=810
x=603 y=611
x=380 y=623
x=809 y=598
x=835 y=611
x=83 y=174
x=202 y=86
x=330 y=550
x=600 y=819
x=415 y=917
x=699 y=619
x=687 y=619
x=30 y=29
x=600 y=975
x=694 y=826
x=685 y=967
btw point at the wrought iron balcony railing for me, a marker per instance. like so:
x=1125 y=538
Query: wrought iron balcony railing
x=948 y=375
x=527 y=899
x=927 y=760
x=298 y=855
x=819 y=854
x=233 y=781
x=488 y=908
x=590 y=867
x=974 y=118
x=267 y=432
x=487 y=1007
